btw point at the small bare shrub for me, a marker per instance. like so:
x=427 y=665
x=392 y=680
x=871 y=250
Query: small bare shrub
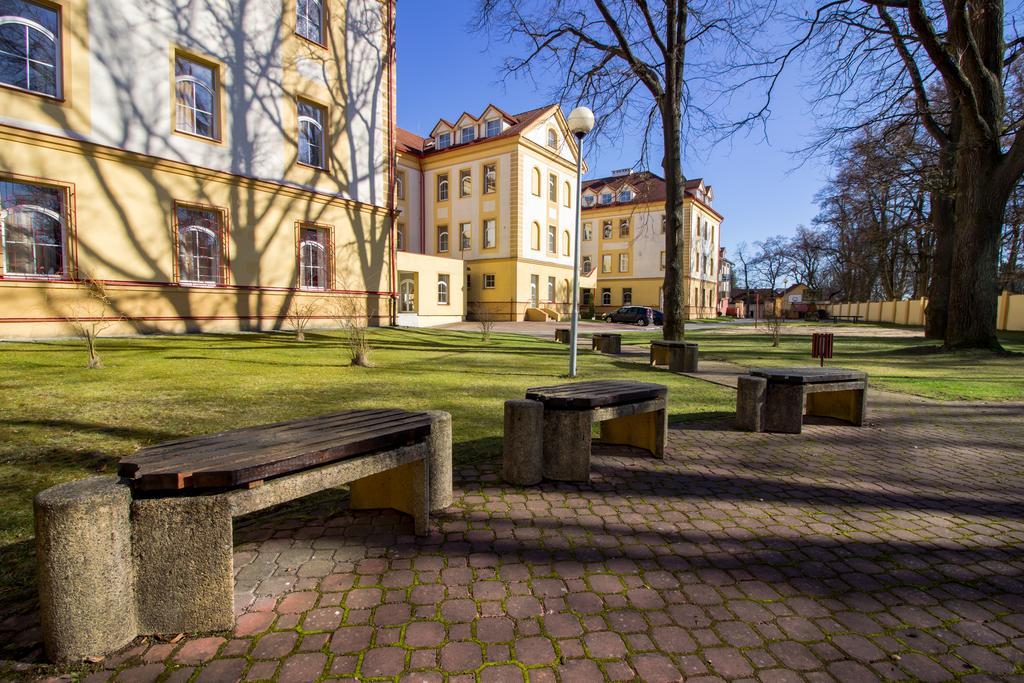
x=773 y=321
x=300 y=314
x=91 y=317
x=351 y=315
x=484 y=320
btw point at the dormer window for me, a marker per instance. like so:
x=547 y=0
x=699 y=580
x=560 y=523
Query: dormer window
x=493 y=127
x=606 y=197
x=552 y=138
x=588 y=200
x=443 y=140
x=467 y=134
x=626 y=196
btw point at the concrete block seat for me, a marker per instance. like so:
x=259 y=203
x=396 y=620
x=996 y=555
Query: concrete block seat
x=679 y=356
x=632 y=413
x=151 y=552
x=606 y=342
x=776 y=399
x=562 y=335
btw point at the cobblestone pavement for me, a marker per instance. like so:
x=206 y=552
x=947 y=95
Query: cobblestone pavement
x=892 y=551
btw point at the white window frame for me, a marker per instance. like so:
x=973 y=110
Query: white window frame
x=442 y=187
x=606 y=263
x=310 y=126
x=465 y=236
x=465 y=182
x=193 y=109
x=443 y=285
x=444 y=140
x=623 y=263
x=490 y=233
x=626 y=196
x=588 y=232
x=58 y=216
x=309 y=247
x=551 y=289
x=566 y=243
x=489 y=280
x=29 y=26
x=467 y=134
x=487 y=128
x=552 y=140
x=627 y=296
x=490 y=178
x=442 y=239
x=552 y=239
x=588 y=200
x=606 y=198
x=606 y=296
x=587 y=264
x=303 y=18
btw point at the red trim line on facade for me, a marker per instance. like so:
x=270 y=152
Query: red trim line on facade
x=215 y=288
x=170 y=317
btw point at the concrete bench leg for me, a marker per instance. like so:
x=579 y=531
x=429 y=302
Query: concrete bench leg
x=644 y=430
x=567 y=443
x=750 y=395
x=784 y=408
x=659 y=355
x=850 y=406
x=184 y=564
x=404 y=488
x=523 y=443
x=440 y=460
x=682 y=359
x=86 y=575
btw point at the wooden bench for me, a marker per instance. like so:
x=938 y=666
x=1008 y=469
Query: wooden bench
x=606 y=342
x=562 y=335
x=776 y=399
x=631 y=413
x=679 y=356
x=179 y=499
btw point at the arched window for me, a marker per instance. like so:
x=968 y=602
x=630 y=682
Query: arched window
x=407 y=298
x=442 y=289
x=199 y=252
x=30 y=47
x=465 y=183
x=565 y=291
x=606 y=230
x=552 y=138
x=311 y=134
x=32 y=222
x=587 y=264
x=565 y=243
x=442 y=187
x=400 y=185
x=552 y=239
x=400 y=237
x=309 y=16
x=313 y=259
x=536 y=236
x=442 y=239
x=536 y=181
x=606 y=297
x=566 y=192
x=196 y=98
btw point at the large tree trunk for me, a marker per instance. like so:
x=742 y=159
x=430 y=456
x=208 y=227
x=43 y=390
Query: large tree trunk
x=943 y=207
x=675 y=279
x=980 y=204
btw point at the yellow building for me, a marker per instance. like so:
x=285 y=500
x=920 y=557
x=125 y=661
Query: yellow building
x=212 y=166
x=623 y=243
x=494 y=193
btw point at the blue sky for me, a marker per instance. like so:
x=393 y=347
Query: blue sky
x=761 y=189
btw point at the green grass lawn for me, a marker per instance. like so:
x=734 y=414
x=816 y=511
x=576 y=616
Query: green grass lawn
x=59 y=421
x=909 y=365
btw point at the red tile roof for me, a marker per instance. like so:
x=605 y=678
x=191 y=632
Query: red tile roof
x=647 y=187
x=414 y=144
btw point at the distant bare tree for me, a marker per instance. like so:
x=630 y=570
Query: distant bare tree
x=744 y=258
x=625 y=59
x=953 y=69
x=806 y=252
x=772 y=260
x=92 y=316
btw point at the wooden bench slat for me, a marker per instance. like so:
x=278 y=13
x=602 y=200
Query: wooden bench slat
x=587 y=395
x=223 y=441
x=267 y=446
x=250 y=454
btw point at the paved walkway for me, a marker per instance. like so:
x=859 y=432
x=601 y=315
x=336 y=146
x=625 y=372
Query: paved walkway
x=893 y=551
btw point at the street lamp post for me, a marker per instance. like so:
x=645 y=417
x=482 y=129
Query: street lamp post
x=581 y=122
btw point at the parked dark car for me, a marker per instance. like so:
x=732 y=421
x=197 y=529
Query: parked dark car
x=635 y=315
